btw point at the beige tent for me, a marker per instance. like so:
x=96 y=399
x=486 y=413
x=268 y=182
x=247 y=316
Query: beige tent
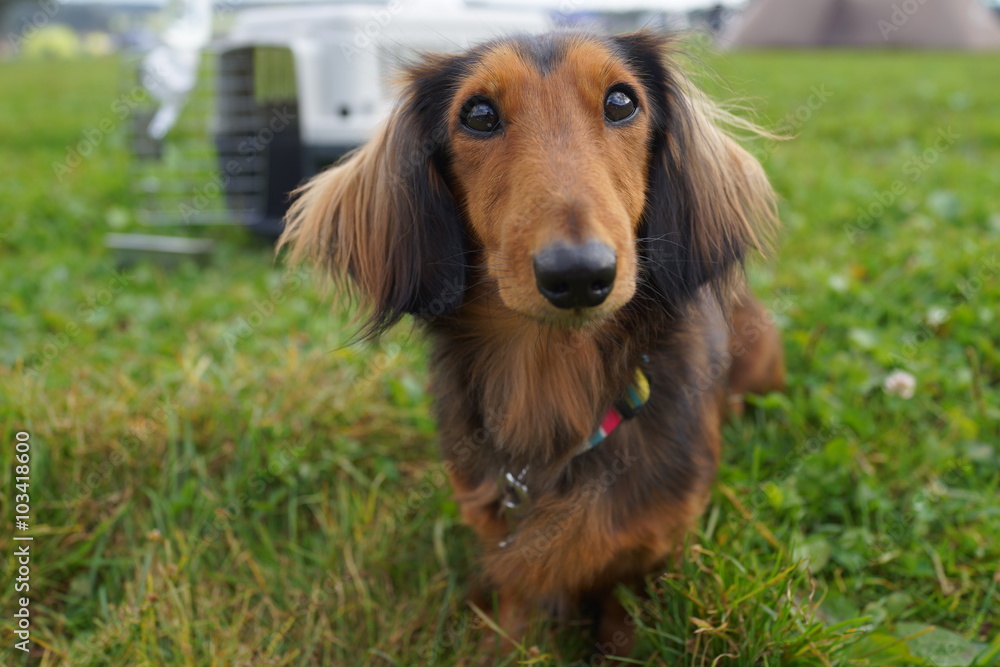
x=914 y=24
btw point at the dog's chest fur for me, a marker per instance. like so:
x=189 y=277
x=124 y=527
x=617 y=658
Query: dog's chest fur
x=510 y=395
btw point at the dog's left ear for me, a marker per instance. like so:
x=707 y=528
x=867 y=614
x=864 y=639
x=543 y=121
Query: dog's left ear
x=709 y=202
x=384 y=218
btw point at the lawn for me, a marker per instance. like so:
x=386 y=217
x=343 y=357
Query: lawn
x=218 y=479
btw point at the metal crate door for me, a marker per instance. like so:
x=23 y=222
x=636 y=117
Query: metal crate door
x=257 y=134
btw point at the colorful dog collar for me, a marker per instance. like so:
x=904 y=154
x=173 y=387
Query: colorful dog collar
x=626 y=407
x=514 y=496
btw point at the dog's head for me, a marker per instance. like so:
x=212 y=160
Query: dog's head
x=574 y=170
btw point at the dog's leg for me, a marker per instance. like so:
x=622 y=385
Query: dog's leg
x=480 y=507
x=513 y=615
x=615 y=629
x=755 y=346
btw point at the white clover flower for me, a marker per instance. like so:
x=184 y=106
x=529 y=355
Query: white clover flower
x=900 y=383
x=936 y=317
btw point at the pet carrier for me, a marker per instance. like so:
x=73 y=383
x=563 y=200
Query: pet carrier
x=287 y=90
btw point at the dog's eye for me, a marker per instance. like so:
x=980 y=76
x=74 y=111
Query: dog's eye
x=479 y=115
x=619 y=105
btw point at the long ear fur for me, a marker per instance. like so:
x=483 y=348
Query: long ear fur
x=385 y=217
x=709 y=201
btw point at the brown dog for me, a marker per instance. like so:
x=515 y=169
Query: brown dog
x=567 y=219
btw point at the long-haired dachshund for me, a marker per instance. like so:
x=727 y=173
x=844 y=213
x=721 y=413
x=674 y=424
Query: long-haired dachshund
x=567 y=220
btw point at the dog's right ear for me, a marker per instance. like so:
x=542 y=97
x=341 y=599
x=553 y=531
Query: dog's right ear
x=384 y=217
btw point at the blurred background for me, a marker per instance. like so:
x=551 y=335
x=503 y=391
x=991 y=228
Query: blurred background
x=220 y=476
x=257 y=96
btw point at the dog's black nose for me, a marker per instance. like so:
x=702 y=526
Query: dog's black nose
x=575 y=276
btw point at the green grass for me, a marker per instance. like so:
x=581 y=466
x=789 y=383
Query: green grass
x=217 y=480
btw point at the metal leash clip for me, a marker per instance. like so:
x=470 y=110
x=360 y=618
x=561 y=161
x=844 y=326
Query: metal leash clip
x=514 y=499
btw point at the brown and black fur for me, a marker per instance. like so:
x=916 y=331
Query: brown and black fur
x=430 y=220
